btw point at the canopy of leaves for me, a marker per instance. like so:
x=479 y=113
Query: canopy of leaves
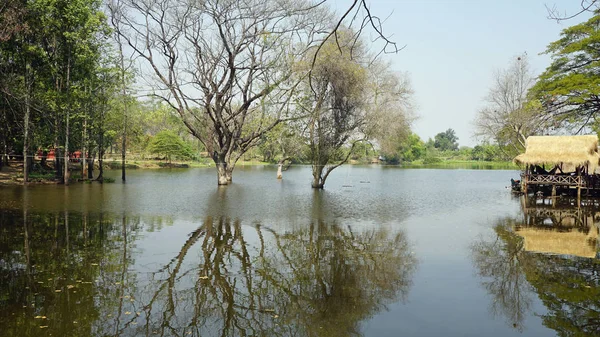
x=168 y=144
x=446 y=140
x=569 y=88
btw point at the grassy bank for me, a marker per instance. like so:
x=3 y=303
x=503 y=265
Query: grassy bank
x=465 y=164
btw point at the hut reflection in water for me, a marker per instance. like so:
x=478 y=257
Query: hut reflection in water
x=549 y=253
x=554 y=225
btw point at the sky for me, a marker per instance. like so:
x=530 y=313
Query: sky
x=454 y=47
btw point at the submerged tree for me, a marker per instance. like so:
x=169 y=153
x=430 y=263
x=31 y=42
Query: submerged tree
x=335 y=104
x=222 y=64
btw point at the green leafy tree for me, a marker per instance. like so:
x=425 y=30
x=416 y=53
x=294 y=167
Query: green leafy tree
x=446 y=141
x=407 y=149
x=569 y=88
x=170 y=145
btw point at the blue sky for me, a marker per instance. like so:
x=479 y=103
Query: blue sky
x=453 y=48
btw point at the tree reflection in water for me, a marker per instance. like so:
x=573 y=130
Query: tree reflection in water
x=322 y=280
x=77 y=274
x=513 y=267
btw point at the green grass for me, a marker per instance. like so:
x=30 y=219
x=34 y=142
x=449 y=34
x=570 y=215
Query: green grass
x=466 y=164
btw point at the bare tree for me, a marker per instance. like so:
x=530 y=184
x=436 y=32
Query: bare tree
x=335 y=102
x=508 y=117
x=390 y=107
x=554 y=13
x=225 y=66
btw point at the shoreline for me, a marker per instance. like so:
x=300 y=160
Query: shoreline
x=12 y=175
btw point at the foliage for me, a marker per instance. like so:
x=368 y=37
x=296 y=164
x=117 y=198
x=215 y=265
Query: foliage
x=569 y=88
x=408 y=149
x=446 y=140
x=170 y=145
x=334 y=100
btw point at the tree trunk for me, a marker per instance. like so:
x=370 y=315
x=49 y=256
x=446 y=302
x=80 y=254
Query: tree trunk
x=26 y=125
x=123 y=148
x=58 y=162
x=84 y=147
x=279 y=171
x=67 y=173
x=318 y=181
x=222 y=177
x=90 y=169
x=101 y=139
x=124 y=93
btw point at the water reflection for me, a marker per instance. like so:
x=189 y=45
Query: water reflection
x=550 y=252
x=84 y=274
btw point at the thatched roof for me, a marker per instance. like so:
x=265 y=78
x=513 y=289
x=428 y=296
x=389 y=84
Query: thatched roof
x=572 y=151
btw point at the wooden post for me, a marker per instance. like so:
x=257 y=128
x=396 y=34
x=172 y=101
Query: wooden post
x=579 y=183
x=553 y=190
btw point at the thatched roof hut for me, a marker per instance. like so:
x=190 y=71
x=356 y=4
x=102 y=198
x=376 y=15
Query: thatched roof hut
x=568 y=152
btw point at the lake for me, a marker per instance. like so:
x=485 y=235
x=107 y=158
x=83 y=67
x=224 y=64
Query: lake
x=382 y=251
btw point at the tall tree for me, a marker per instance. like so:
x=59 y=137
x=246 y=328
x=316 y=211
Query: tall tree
x=569 y=89
x=335 y=102
x=446 y=141
x=509 y=117
x=215 y=61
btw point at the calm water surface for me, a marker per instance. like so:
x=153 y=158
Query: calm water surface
x=380 y=252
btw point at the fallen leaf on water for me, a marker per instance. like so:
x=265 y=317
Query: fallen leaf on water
x=50 y=279
x=134 y=323
x=57 y=290
x=38 y=317
x=43 y=326
x=70 y=286
x=127 y=312
x=74 y=322
x=117 y=283
x=126 y=296
x=94 y=264
x=203 y=277
x=275 y=316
